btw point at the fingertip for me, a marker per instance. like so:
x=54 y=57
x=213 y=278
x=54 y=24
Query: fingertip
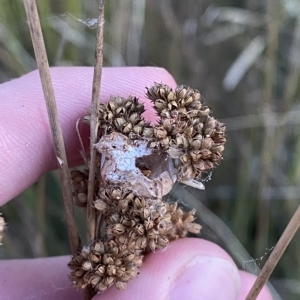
x=40 y=278
x=189 y=268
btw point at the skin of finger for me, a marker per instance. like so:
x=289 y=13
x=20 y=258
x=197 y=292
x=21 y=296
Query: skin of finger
x=247 y=281
x=26 y=141
x=47 y=277
x=161 y=270
x=40 y=278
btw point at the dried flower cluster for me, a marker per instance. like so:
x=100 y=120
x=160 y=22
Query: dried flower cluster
x=134 y=225
x=193 y=138
x=2 y=228
x=139 y=164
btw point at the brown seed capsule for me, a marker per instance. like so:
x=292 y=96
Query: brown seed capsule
x=116 y=193
x=195 y=155
x=141 y=242
x=133 y=117
x=127 y=128
x=137 y=129
x=205 y=153
x=181 y=91
x=166 y=123
x=160 y=133
x=87 y=265
x=171 y=96
x=207 y=143
x=101 y=205
x=140 y=229
x=98 y=247
x=196 y=144
x=120 y=111
x=119 y=123
x=79 y=272
x=100 y=270
x=148 y=132
x=182 y=142
x=217 y=148
x=95 y=257
x=122 y=239
x=160 y=104
x=101 y=286
x=120 y=285
x=114 y=218
x=116 y=229
x=112 y=105
x=185 y=158
x=188 y=101
x=162 y=242
x=107 y=259
x=111 y=270
x=165 y=143
x=193 y=228
x=189 y=131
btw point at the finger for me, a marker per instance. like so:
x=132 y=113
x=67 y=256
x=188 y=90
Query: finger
x=247 y=281
x=40 y=278
x=25 y=141
x=187 y=269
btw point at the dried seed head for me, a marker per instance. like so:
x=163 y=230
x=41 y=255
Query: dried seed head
x=186 y=124
x=115 y=266
x=124 y=116
x=79 y=183
x=182 y=222
x=101 y=206
x=188 y=140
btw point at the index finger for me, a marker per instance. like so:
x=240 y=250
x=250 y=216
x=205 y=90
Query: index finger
x=26 y=142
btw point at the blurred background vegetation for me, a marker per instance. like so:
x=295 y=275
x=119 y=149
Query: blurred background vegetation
x=243 y=55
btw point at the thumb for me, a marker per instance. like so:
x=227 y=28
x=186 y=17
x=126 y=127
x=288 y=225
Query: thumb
x=187 y=269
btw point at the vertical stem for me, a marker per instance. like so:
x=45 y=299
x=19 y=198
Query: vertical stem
x=273 y=22
x=91 y=215
x=276 y=254
x=43 y=66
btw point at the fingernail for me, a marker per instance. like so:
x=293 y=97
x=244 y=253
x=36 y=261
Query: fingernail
x=207 y=278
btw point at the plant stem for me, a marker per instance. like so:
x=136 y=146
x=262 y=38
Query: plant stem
x=43 y=66
x=91 y=214
x=279 y=249
x=267 y=155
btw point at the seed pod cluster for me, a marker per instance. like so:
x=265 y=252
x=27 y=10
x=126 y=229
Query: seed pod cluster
x=79 y=182
x=142 y=223
x=103 y=264
x=124 y=116
x=188 y=133
x=139 y=165
x=134 y=226
x=133 y=220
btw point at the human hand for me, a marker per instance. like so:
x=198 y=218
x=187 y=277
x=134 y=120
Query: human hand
x=187 y=269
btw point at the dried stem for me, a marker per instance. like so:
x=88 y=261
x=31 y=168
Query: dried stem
x=279 y=249
x=91 y=214
x=267 y=154
x=94 y=124
x=43 y=66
